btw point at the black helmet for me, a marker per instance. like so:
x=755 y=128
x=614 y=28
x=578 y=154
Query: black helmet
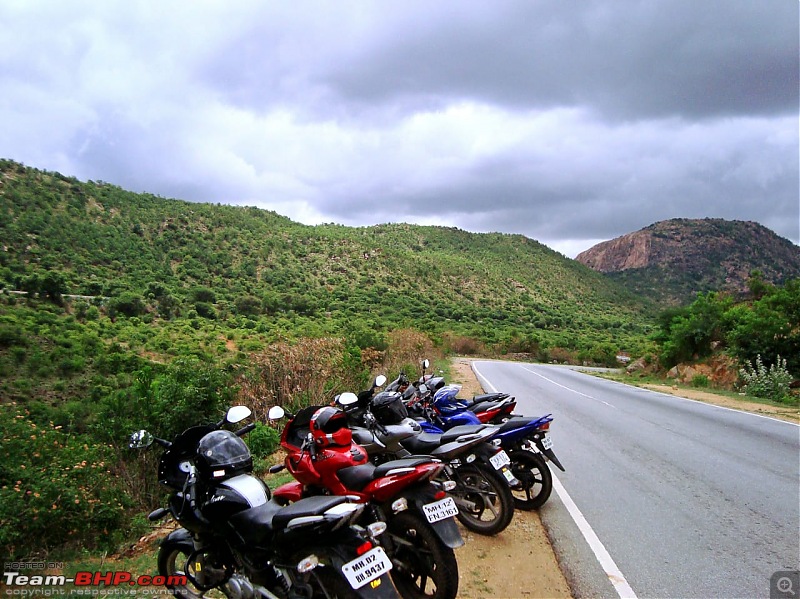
x=329 y=427
x=222 y=455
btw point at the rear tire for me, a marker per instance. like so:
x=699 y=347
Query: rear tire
x=334 y=583
x=423 y=566
x=489 y=492
x=536 y=480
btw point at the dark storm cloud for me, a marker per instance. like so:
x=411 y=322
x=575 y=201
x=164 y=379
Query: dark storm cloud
x=569 y=122
x=627 y=59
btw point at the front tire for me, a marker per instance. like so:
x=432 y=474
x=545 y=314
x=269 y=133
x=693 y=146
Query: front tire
x=536 y=480
x=488 y=492
x=423 y=566
x=172 y=558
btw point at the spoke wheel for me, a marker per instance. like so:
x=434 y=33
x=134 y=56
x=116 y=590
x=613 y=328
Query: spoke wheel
x=171 y=562
x=536 y=480
x=490 y=496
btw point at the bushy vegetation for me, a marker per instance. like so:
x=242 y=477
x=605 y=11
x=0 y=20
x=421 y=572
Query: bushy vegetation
x=769 y=383
x=757 y=330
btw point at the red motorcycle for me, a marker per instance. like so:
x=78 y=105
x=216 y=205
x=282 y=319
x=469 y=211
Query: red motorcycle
x=421 y=532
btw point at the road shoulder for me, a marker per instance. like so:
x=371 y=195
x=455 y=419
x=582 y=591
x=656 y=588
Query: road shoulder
x=518 y=562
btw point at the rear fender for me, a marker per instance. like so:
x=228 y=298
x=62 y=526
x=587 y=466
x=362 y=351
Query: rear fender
x=345 y=550
x=552 y=457
x=289 y=492
x=447 y=529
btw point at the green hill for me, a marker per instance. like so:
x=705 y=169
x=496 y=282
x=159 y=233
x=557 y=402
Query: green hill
x=167 y=259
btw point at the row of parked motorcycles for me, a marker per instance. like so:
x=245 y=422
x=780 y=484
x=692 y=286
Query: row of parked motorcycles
x=380 y=478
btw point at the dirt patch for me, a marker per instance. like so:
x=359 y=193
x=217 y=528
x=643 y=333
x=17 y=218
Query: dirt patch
x=518 y=562
x=788 y=413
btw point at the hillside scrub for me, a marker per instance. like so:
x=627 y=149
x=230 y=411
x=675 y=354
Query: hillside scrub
x=68 y=468
x=147 y=257
x=756 y=331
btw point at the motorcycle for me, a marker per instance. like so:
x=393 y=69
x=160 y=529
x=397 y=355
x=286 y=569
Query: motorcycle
x=479 y=469
x=421 y=535
x=235 y=538
x=524 y=439
x=493 y=408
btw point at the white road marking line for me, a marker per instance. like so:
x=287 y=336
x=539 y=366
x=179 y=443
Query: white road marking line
x=567 y=388
x=615 y=575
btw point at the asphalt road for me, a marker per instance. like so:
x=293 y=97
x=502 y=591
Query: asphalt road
x=688 y=499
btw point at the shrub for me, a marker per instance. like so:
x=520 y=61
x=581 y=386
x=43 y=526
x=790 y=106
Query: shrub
x=55 y=488
x=700 y=380
x=263 y=440
x=768 y=383
x=306 y=372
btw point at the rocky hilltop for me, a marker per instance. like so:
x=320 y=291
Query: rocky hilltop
x=671 y=261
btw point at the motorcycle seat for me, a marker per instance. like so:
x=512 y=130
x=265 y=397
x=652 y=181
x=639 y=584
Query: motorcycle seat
x=465 y=429
x=387 y=467
x=427 y=442
x=516 y=422
x=489 y=397
x=356 y=477
x=255 y=524
x=484 y=406
x=423 y=443
x=311 y=506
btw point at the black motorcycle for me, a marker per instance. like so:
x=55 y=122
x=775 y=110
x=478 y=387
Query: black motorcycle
x=235 y=538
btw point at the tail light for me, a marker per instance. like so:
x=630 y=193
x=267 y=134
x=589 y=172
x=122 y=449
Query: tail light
x=545 y=426
x=363 y=548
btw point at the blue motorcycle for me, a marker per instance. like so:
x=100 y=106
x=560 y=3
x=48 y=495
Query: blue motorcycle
x=527 y=446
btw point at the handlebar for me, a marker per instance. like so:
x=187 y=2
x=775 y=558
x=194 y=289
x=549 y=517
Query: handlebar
x=157 y=514
x=245 y=429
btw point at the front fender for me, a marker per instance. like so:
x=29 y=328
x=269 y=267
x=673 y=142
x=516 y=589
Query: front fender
x=179 y=536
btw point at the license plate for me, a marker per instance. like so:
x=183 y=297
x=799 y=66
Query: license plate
x=500 y=459
x=547 y=442
x=440 y=510
x=362 y=570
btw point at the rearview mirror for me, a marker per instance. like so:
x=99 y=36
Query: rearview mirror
x=348 y=399
x=140 y=440
x=426 y=364
x=276 y=413
x=237 y=414
x=380 y=380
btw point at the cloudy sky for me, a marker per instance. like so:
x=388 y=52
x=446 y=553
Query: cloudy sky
x=569 y=122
